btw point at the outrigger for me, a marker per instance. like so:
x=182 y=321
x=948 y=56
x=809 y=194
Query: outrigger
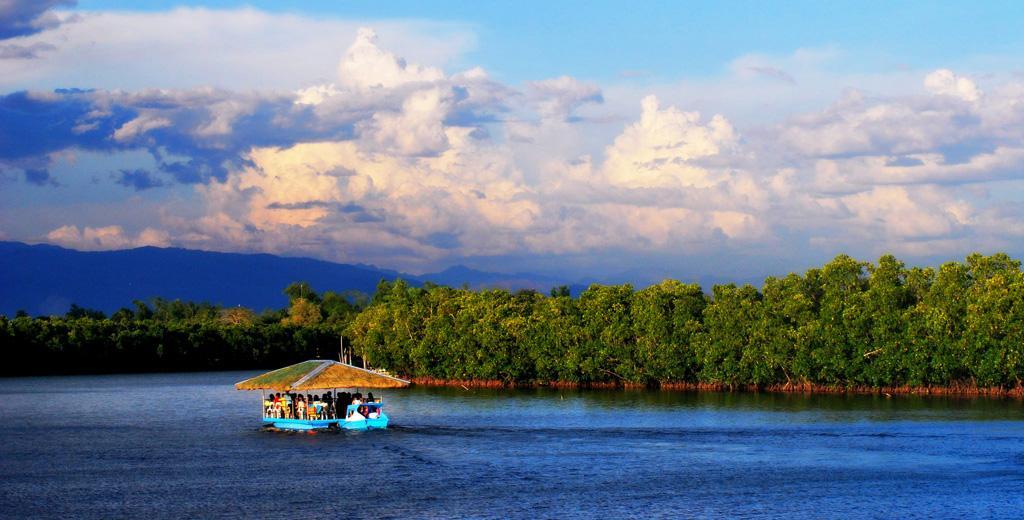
x=290 y=413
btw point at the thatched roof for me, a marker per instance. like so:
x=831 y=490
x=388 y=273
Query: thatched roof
x=320 y=374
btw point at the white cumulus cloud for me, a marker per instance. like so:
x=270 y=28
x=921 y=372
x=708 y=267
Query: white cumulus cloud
x=656 y=150
x=403 y=164
x=106 y=237
x=946 y=83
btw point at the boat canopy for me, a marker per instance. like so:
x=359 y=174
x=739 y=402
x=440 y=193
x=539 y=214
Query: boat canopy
x=320 y=374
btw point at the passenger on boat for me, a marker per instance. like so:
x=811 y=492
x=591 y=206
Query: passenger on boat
x=311 y=410
x=354 y=415
x=278 y=411
x=342 y=400
x=286 y=406
x=328 y=405
x=369 y=397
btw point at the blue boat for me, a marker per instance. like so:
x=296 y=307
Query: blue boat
x=288 y=409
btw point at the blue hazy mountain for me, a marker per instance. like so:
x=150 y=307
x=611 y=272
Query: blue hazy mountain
x=460 y=275
x=46 y=279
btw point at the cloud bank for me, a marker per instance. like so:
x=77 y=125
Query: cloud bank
x=24 y=17
x=410 y=166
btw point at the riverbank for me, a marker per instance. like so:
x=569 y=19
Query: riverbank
x=963 y=390
x=946 y=391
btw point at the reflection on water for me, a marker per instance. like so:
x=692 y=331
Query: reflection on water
x=174 y=445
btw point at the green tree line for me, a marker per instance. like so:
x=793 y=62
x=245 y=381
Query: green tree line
x=172 y=335
x=848 y=323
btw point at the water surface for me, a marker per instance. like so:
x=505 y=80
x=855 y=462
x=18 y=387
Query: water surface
x=189 y=445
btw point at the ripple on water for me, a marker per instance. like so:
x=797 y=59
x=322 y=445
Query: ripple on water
x=188 y=445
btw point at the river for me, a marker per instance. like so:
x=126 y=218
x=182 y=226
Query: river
x=189 y=445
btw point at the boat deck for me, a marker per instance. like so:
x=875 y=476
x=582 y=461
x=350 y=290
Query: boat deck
x=377 y=423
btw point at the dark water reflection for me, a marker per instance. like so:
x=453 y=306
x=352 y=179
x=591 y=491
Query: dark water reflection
x=187 y=445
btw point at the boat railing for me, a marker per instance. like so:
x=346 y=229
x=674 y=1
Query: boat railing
x=286 y=409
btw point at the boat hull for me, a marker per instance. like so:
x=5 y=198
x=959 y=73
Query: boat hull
x=379 y=423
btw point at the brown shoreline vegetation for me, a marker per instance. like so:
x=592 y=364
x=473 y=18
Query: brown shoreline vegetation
x=964 y=390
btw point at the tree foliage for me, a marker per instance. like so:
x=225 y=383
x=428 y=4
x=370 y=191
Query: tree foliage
x=847 y=323
x=303 y=313
x=173 y=335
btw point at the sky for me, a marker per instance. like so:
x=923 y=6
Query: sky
x=585 y=140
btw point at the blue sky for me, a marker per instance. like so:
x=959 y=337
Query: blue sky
x=669 y=40
x=582 y=139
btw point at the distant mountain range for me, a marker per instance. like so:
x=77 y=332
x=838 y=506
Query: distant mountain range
x=46 y=279
x=460 y=275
